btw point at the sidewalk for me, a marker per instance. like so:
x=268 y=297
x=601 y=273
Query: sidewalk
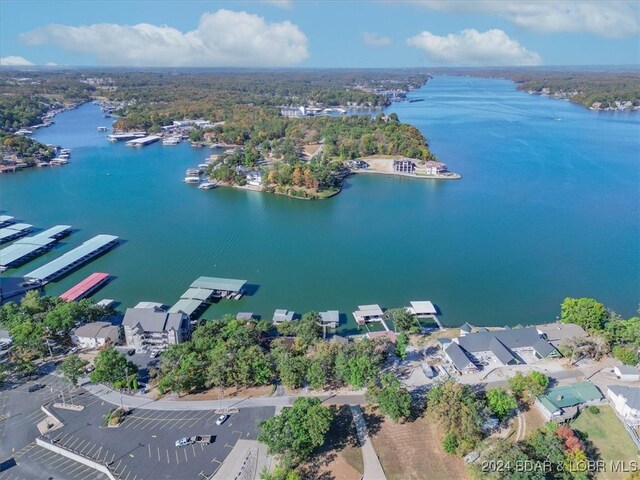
x=372 y=468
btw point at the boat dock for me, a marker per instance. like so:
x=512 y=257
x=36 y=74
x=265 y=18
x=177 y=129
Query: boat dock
x=143 y=141
x=71 y=260
x=204 y=289
x=86 y=287
x=6 y=220
x=119 y=137
x=14 y=231
x=26 y=249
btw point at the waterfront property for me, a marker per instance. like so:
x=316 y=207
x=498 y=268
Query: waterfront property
x=204 y=289
x=563 y=403
x=330 y=319
x=511 y=346
x=626 y=401
x=282 y=315
x=368 y=313
x=435 y=168
x=404 y=165
x=96 y=335
x=627 y=373
x=459 y=358
x=26 y=249
x=149 y=328
x=118 y=137
x=86 y=287
x=143 y=141
x=557 y=333
x=14 y=231
x=71 y=260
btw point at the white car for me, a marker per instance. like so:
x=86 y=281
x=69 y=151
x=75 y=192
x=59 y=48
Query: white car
x=221 y=419
x=183 y=442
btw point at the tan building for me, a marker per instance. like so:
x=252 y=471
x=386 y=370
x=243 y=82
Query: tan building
x=96 y=334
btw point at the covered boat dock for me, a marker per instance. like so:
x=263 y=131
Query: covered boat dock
x=28 y=248
x=14 y=231
x=73 y=259
x=86 y=287
x=6 y=220
x=204 y=289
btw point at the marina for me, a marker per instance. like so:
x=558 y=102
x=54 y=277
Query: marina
x=6 y=220
x=86 y=287
x=27 y=249
x=121 y=137
x=204 y=289
x=143 y=141
x=14 y=231
x=71 y=260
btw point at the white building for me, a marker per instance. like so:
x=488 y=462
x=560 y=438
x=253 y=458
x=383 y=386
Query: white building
x=255 y=178
x=146 y=328
x=435 y=168
x=96 y=334
x=627 y=373
x=626 y=401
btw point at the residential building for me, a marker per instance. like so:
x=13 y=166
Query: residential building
x=558 y=333
x=459 y=358
x=563 y=403
x=146 y=328
x=404 y=165
x=96 y=335
x=627 y=373
x=435 y=168
x=255 y=178
x=510 y=346
x=626 y=401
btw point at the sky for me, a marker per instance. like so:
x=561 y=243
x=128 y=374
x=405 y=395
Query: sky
x=310 y=33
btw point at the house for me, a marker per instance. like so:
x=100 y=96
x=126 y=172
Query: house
x=459 y=359
x=330 y=319
x=465 y=329
x=357 y=164
x=96 y=334
x=563 y=403
x=435 y=168
x=558 y=333
x=255 y=178
x=368 y=313
x=626 y=401
x=504 y=347
x=282 y=315
x=627 y=373
x=404 y=165
x=146 y=328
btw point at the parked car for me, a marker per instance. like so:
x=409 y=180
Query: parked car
x=221 y=419
x=154 y=353
x=35 y=387
x=183 y=442
x=131 y=352
x=73 y=350
x=203 y=439
x=89 y=369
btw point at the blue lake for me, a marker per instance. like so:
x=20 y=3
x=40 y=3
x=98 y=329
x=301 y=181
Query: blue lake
x=548 y=207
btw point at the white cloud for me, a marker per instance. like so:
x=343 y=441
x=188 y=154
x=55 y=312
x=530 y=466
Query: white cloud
x=612 y=18
x=223 y=38
x=13 y=61
x=286 y=4
x=473 y=48
x=375 y=40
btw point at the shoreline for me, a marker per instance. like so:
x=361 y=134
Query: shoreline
x=252 y=188
x=452 y=176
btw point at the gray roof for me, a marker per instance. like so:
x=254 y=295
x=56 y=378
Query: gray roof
x=244 y=316
x=457 y=356
x=632 y=394
x=185 y=306
x=14 y=230
x=87 y=248
x=543 y=348
x=193 y=293
x=556 y=332
x=96 y=330
x=214 y=283
x=282 y=315
x=466 y=327
x=628 y=370
x=19 y=250
x=152 y=320
x=500 y=351
x=52 y=232
x=330 y=316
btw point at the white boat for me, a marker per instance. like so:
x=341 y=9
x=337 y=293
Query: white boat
x=171 y=141
x=191 y=179
x=207 y=186
x=102 y=129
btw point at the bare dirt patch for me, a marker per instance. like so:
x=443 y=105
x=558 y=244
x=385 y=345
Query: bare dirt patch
x=340 y=458
x=230 y=392
x=413 y=450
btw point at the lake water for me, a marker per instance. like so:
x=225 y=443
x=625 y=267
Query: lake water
x=548 y=207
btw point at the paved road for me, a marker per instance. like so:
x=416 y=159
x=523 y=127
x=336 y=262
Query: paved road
x=372 y=468
x=108 y=395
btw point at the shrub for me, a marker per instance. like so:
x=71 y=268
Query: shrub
x=450 y=443
x=593 y=409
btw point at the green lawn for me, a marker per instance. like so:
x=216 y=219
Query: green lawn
x=609 y=436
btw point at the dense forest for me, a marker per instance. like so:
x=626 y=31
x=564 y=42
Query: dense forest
x=24 y=148
x=585 y=86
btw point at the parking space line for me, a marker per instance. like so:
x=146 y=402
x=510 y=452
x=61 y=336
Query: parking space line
x=119 y=462
x=158 y=453
x=114 y=456
x=86 y=445
x=58 y=461
x=69 y=467
x=216 y=460
x=127 y=477
x=177 y=459
x=167 y=456
x=185 y=455
x=40 y=454
x=78 y=467
x=193 y=448
x=70 y=446
x=149 y=447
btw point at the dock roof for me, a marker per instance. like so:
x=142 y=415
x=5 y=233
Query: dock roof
x=215 y=283
x=77 y=254
x=53 y=231
x=193 y=293
x=282 y=315
x=11 y=230
x=423 y=308
x=185 y=306
x=369 y=310
x=330 y=316
x=19 y=250
x=81 y=289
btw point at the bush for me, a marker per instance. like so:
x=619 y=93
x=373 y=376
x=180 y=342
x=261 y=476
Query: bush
x=450 y=443
x=593 y=409
x=113 y=417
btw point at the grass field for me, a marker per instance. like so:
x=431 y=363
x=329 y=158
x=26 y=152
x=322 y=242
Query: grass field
x=413 y=450
x=611 y=439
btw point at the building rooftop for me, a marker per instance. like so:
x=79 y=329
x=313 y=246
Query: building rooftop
x=457 y=356
x=193 y=293
x=569 y=395
x=244 y=315
x=422 y=308
x=186 y=306
x=96 y=330
x=330 y=316
x=282 y=315
x=631 y=394
x=510 y=338
x=153 y=320
x=557 y=332
x=628 y=370
x=214 y=283
x=369 y=310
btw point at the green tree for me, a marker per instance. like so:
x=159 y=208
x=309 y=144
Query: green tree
x=402 y=342
x=627 y=355
x=280 y=473
x=586 y=312
x=292 y=370
x=500 y=402
x=450 y=443
x=297 y=431
x=402 y=319
x=527 y=387
x=111 y=366
x=73 y=368
x=390 y=395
